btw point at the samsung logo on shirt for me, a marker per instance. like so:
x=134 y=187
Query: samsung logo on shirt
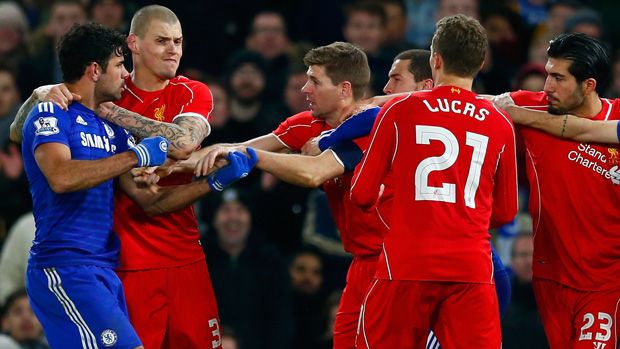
x=97 y=141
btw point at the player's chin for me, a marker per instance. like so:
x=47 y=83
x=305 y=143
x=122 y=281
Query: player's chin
x=168 y=73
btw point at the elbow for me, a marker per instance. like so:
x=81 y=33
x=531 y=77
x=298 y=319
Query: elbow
x=14 y=136
x=313 y=180
x=59 y=186
x=499 y=220
x=152 y=211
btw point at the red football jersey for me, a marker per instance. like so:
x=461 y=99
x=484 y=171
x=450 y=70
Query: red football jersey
x=573 y=203
x=167 y=240
x=361 y=232
x=451 y=160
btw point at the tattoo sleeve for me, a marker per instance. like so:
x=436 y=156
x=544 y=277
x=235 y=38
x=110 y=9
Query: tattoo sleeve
x=184 y=135
x=20 y=118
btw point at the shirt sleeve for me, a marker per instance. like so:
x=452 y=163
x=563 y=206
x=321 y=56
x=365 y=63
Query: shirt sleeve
x=200 y=103
x=49 y=124
x=296 y=130
x=376 y=163
x=505 y=194
x=124 y=140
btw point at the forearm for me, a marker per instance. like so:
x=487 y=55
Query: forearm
x=300 y=170
x=20 y=118
x=184 y=135
x=75 y=175
x=173 y=198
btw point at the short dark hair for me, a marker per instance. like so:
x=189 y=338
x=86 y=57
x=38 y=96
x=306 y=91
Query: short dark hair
x=419 y=65
x=11 y=299
x=462 y=43
x=85 y=44
x=370 y=7
x=588 y=56
x=343 y=62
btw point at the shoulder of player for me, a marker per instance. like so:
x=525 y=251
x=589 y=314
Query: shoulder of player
x=303 y=118
x=529 y=99
x=181 y=82
x=47 y=109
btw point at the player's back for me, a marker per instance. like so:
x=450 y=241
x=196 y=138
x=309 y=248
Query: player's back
x=446 y=160
x=75 y=227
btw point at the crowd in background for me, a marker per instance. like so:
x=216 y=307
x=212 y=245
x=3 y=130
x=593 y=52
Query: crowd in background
x=273 y=251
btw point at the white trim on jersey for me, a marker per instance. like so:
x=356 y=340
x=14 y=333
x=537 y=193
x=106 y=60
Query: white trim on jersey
x=133 y=94
x=279 y=140
x=197 y=115
x=535 y=227
x=396 y=140
x=337 y=158
x=45 y=107
x=514 y=143
x=608 y=108
x=387 y=261
x=381 y=217
x=55 y=286
x=363 y=312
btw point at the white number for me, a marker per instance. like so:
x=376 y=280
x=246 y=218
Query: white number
x=447 y=191
x=217 y=342
x=589 y=319
x=605 y=327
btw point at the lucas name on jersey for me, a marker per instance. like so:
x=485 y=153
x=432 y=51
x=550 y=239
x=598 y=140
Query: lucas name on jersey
x=456 y=106
x=595 y=160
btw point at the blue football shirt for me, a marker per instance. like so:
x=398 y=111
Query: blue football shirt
x=72 y=228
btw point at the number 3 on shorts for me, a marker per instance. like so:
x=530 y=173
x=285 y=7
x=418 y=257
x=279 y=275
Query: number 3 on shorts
x=606 y=323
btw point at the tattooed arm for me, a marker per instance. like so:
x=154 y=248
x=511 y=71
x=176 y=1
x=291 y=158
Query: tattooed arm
x=185 y=133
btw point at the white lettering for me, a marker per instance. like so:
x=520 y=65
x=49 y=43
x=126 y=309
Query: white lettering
x=431 y=109
x=456 y=106
x=97 y=141
x=470 y=109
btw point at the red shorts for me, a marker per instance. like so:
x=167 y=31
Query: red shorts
x=398 y=314
x=360 y=275
x=173 y=307
x=577 y=319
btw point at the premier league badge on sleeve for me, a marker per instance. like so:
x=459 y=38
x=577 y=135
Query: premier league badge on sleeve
x=46 y=126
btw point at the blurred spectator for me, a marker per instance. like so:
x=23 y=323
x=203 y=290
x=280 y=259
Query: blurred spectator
x=331 y=308
x=22 y=329
x=614 y=86
x=13 y=34
x=533 y=12
x=250 y=115
x=42 y=67
x=110 y=14
x=306 y=271
x=530 y=77
x=364 y=27
x=558 y=11
x=229 y=339
x=453 y=7
x=14 y=256
x=396 y=24
x=14 y=187
x=420 y=22
x=220 y=115
x=585 y=21
x=537 y=50
x=521 y=327
x=294 y=100
x=250 y=280
x=268 y=37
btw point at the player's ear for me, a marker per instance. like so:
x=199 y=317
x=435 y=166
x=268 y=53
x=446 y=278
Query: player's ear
x=132 y=42
x=346 y=89
x=589 y=85
x=94 y=71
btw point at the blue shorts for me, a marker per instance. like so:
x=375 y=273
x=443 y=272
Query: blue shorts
x=81 y=307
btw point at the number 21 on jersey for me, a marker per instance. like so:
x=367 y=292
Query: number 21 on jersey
x=447 y=192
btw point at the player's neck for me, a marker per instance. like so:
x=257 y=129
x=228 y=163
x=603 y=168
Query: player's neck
x=86 y=91
x=147 y=81
x=335 y=118
x=453 y=80
x=590 y=107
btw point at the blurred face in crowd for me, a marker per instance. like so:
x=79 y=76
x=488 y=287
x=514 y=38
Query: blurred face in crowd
x=499 y=29
x=533 y=82
x=62 y=17
x=590 y=29
x=9 y=97
x=160 y=50
x=396 y=23
x=112 y=80
x=616 y=75
x=247 y=82
x=21 y=323
x=306 y=273
x=221 y=111
x=268 y=35
x=229 y=342
x=453 y=7
x=232 y=223
x=295 y=100
x=321 y=92
x=521 y=260
x=364 y=30
x=402 y=80
x=564 y=94
x=557 y=18
x=109 y=13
